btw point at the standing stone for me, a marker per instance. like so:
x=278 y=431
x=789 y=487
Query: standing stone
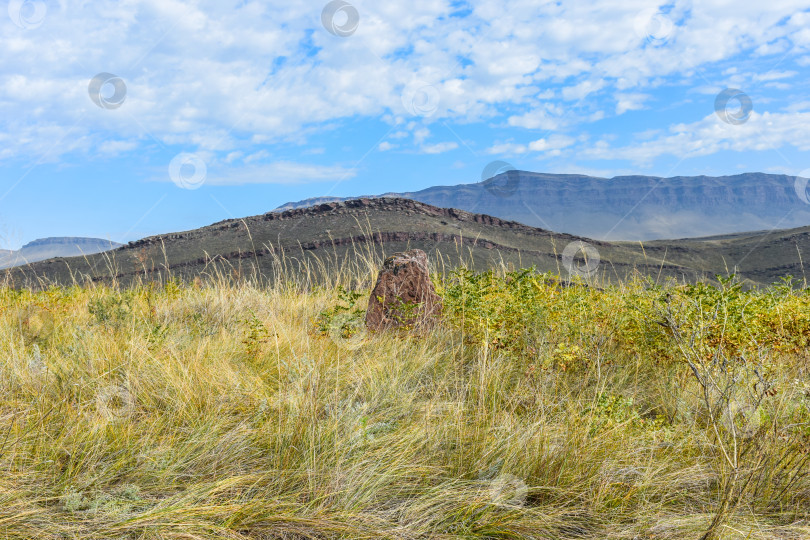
x=404 y=294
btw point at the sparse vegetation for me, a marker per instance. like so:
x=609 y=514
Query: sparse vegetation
x=538 y=409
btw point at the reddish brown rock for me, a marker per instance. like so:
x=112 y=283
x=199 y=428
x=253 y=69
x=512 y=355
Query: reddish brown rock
x=404 y=294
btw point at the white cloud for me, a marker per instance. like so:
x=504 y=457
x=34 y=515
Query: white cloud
x=763 y=131
x=775 y=75
x=549 y=146
x=385 y=146
x=439 y=148
x=583 y=89
x=279 y=172
x=547 y=116
x=507 y=149
x=630 y=102
x=117 y=147
x=226 y=75
x=419 y=135
x=257 y=156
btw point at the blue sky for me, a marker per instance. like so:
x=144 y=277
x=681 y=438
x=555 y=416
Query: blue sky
x=226 y=109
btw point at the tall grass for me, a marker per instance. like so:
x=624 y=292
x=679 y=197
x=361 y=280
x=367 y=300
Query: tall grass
x=218 y=408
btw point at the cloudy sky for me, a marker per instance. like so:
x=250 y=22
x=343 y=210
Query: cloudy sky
x=120 y=119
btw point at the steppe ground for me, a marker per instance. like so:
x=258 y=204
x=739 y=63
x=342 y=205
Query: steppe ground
x=535 y=409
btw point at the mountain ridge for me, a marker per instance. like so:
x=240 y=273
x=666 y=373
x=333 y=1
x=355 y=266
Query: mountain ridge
x=630 y=207
x=54 y=246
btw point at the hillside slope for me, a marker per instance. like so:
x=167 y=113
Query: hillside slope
x=330 y=234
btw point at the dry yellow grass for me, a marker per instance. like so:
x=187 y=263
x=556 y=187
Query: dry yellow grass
x=217 y=410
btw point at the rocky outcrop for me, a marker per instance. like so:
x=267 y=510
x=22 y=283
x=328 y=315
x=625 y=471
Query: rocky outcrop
x=404 y=296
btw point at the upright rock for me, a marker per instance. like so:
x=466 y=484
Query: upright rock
x=404 y=294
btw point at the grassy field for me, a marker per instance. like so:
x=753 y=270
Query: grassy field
x=534 y=410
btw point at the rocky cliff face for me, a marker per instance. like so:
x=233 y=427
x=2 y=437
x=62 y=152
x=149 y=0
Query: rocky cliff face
x=628 y=207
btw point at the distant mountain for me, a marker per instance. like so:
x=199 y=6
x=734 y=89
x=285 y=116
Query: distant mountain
x=625 y=207
x=47 y=248
x=307 y=242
